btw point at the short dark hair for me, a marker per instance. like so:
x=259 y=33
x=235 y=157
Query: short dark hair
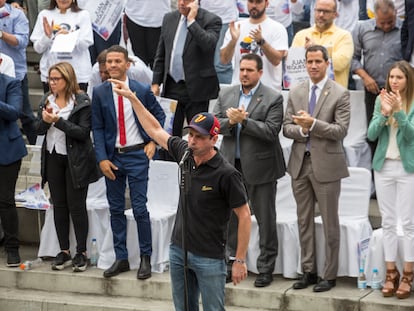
x=316 y=48
x=118 y=49
x=73 y=6
x=254 y=57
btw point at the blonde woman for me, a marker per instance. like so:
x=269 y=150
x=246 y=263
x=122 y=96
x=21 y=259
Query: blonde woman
x=393 y=163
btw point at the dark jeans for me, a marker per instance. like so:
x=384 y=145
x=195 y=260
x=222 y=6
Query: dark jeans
x=68 y=202
x=369 y=109
x=100 y=44
x=8 y=212
x=26 y=117
x=144 y=41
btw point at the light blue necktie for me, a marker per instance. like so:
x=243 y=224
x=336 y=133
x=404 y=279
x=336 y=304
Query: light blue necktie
x=177 y=69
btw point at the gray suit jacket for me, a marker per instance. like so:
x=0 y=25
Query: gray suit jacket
x=261 y=155
x=332 y=112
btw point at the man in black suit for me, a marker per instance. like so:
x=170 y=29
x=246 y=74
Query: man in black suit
x=187 y=70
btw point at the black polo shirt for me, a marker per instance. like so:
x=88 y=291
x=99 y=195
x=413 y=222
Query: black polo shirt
x=216 y=188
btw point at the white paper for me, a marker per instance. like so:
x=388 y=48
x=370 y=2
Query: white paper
x=65 y=43
x=169 y=106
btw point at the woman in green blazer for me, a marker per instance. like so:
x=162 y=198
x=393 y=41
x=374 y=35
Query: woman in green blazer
x=393 y=125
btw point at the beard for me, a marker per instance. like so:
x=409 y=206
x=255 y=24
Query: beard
x=256 y=14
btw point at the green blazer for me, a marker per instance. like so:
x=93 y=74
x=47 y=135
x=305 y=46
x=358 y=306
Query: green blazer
x=378 y=129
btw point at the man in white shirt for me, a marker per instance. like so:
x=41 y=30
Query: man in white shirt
x=261 y=35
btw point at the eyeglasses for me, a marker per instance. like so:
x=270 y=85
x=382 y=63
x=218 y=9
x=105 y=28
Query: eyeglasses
x=54 y=79
x=324 y=12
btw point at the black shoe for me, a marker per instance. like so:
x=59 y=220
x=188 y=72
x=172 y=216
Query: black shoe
x=229 y=273
x=13 y=258
x=79 y=263
x=61 y=261
x=324 y=285
x=263 y=280
x=117 y=267
x=306 y=280
x=144 y=271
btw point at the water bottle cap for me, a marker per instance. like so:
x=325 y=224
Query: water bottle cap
x=375 y=270
x=361 y=269
x=93 y=240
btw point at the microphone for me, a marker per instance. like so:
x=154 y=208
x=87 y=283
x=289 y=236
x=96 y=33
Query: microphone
x=187 y=154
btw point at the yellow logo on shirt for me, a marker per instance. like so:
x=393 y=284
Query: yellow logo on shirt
x=206 y=188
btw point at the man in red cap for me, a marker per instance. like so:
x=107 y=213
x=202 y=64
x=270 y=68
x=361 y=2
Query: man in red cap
x=216 y=189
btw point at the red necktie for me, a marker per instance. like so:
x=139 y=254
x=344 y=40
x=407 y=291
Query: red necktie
x=121 y=121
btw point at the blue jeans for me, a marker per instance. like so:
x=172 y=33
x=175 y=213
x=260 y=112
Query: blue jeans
x=205 y=275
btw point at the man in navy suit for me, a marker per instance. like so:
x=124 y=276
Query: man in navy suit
x=13 y=150
x=123 y=150
x=197 y=81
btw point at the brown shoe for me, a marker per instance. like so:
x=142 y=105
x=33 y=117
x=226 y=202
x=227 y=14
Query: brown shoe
x=392 y=279
x=407 y=278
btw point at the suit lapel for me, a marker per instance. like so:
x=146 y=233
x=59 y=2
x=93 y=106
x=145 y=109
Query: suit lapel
x=322 y=97
x=256 y=99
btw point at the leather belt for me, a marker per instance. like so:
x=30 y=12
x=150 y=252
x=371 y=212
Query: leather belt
x=307 y=153
x=130 y=148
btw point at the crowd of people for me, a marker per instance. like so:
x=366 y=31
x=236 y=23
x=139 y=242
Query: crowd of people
x=100 y=117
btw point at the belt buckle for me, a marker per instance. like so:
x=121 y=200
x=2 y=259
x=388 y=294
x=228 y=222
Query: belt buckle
x=119 y=150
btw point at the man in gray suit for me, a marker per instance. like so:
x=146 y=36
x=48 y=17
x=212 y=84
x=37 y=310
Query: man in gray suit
x=317 y=119
x=250 y=117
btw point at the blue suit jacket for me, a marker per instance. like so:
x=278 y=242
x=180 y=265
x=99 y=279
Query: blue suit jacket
x=11 y=140
x=104 y=121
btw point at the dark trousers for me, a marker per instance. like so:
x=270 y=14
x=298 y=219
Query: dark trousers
x=26 y=116
x=262 y=199
x=68 y=202
x=100 y=44
x=144 y=41
x=132 y=166
x=369 y=109
x=186 y=108
x=8 y=212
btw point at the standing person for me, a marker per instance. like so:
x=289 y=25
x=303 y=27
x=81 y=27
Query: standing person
x=216 y=190
x=68 y=161
x=250 y=116
x=14 y=36
x=227 y=10
x=377 y=47
x=123 y=150
x=317 y=119
x=393 y=125
x=14 y=149
x=407 y=33
x=61 y=18
x=324 y=32
x=143 y=20
x=258 y=34
x=184 y=62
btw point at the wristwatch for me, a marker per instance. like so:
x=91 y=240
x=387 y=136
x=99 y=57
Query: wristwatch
x=261 y=42
x=1 y=34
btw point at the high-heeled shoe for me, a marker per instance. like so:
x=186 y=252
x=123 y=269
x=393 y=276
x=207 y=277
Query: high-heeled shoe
x=407 y=278
x=392 y=280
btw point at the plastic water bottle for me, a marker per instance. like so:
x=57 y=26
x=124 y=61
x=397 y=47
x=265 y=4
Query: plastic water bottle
x=94 y=253
x=30 y=264
x=375 y=280
x=362 y=279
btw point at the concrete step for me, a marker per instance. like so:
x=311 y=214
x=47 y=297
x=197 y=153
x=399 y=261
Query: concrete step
x=35 y=95
x=44 y=289
x=32 y=56
x=33 y=78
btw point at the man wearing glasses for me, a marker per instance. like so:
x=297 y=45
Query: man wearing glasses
x=337 y=40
